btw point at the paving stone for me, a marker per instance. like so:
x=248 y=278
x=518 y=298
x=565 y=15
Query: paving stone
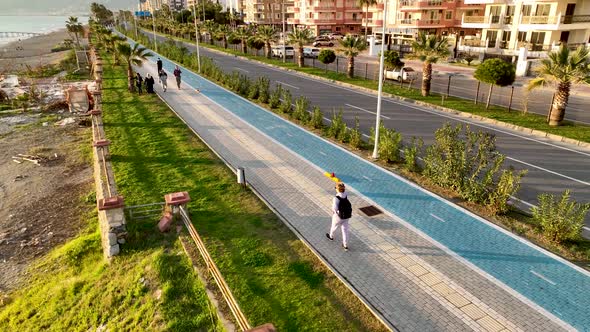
x=417 y=270
x=490 y=324
x=473 y=311
x=443 y=289
x=406 y=261
x=457 y=300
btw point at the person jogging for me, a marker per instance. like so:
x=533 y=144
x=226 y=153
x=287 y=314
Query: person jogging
x=177 y=74
x=341 y=213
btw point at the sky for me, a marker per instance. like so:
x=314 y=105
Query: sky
x=58 y=7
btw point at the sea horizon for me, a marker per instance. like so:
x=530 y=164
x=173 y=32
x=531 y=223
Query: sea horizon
x=42 y=24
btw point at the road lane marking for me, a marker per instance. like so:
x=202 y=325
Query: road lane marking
x=549 y=171
x=586 y=228
x=322 y=153
x=437 y=217
x=543 y=277
x=367 y=178
x=289 y=85
x=367 y=136
x=244 y=70
x=364 y=110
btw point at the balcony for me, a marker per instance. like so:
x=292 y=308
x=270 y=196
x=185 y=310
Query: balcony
x=476 y=19
x=425 y=23
x=573 y=19
x=539 y=20
x=324 y=9
x=373 y=22
x=421 y=4
x=293 y=9
x=293 y=21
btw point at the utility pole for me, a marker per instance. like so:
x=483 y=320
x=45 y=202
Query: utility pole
x=154 y=25
x=197 y=36
x=284 y=32
x=380 y=92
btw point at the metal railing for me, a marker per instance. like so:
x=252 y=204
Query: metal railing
x=215 y=273
x=475 y=19
x=571 y=19
x=144 y=211
x=539 y=20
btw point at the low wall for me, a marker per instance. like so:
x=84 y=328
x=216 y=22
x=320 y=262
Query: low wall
x=111 y=213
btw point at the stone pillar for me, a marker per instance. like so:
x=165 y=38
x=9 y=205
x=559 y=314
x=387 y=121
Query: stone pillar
x=111 y=216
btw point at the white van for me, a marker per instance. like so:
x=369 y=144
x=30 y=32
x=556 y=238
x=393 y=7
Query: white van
x=277 y=51
x=311 y=52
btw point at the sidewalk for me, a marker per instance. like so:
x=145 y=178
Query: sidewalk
x=410 y=279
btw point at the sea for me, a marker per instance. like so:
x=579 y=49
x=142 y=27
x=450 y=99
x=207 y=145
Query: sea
x=39 y=24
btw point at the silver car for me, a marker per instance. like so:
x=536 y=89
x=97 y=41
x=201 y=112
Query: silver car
x=311 y=52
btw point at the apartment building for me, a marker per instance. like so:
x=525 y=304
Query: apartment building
x=272 y=12
x=509 y=26
x=325 y=16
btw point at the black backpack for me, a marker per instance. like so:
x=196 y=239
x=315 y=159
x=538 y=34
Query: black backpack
x=344 y=208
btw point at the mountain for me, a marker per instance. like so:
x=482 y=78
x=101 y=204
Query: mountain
x=60 y=7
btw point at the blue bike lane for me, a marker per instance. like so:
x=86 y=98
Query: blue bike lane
x=550 y=282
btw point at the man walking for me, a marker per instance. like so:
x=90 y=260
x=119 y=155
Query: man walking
x=159 y=64
x=341 y=213
x=138 y=82
x=177 y=74
x=164 y=79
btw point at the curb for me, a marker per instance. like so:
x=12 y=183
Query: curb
x=529 y=131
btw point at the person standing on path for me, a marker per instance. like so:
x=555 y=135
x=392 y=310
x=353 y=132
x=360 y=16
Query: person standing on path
x=164 y=79
x=138 y=82
x=149 y=84
x=159 y=64
x=341 y=213
x=177 y=74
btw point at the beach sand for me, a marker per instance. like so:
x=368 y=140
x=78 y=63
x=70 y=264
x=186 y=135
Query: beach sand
x=36 y=51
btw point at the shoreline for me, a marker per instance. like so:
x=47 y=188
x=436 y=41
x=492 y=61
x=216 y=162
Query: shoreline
x=36 y=51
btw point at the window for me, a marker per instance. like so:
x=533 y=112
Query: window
x=491 y=36
x=526 y=10
x=521 y=36
x=543 y=10
x=354 y=16
x=449 y=15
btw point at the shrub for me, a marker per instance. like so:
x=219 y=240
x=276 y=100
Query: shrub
x=338 y=128
x=560 y=219
x=392 y=60
x=263 y=89
x=253 y=93
x=356 y=138
x=495 y=72
x=468 y=163
x=300 y=112
x=389 y=143
x=275 y=97
x=326 y=57
x=411 y=153
x=317 y=118
x=286 y=105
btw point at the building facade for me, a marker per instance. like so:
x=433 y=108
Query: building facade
x=537 y=26
x=326 y=16
x=272 y=12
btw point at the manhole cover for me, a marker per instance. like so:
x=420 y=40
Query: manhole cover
x=370 y=210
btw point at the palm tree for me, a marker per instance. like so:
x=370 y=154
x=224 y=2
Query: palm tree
x=110 y=42
x=563 y=67
x=367 y=3
x=350 y=47
x=74 y=27
x=428 y=49
x=300 y=37
x=267 y=35
x=133 y=56
x=222 y=32
x=210 y=26
x=243 y=33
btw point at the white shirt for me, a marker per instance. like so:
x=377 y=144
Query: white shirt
x=336 y=202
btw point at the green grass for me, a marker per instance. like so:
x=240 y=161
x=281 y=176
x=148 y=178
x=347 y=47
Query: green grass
x=528 y=120
x=274 y=277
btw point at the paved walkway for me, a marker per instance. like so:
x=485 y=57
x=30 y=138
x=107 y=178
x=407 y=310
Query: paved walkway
x=424 y=265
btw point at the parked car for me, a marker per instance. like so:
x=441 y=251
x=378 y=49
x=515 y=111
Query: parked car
x=335 y=35
x=401 y=74
x=322 y=38
x=322 y=42
x=277 y=51
x=311 y=52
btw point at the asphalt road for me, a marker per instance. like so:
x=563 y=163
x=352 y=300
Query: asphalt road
x=552 y=167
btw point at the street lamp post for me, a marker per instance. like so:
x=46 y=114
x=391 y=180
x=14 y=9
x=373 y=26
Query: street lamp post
x=154 y=26
x=284 y=36
x=380 y=91
x=197 y=36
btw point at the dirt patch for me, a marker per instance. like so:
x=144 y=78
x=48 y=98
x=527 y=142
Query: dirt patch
x=40 y=203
